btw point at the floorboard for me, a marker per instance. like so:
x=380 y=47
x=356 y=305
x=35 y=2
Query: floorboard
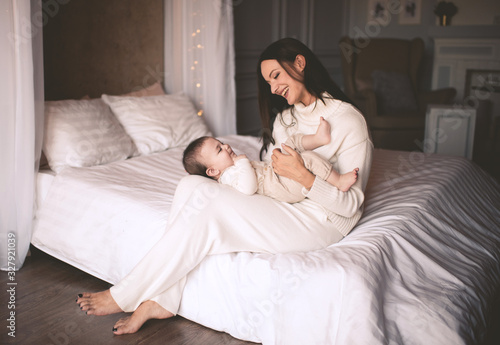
x=46 y=312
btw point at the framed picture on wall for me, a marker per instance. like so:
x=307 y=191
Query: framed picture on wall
x=377 y=9
x=482 y=91
x=410 y=12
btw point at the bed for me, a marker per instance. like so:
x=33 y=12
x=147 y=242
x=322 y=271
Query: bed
x=422 y=266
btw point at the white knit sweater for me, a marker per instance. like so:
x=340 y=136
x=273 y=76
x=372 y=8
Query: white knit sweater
x=349 y=148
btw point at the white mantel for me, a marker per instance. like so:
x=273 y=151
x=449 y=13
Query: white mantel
x=454 y=56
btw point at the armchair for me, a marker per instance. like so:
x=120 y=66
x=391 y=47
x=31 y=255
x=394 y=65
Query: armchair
x=382 y=76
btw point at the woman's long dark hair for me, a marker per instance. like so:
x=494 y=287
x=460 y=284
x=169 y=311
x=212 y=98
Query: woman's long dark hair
x=315 y=79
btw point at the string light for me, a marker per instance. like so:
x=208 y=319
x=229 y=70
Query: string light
x=197 y=65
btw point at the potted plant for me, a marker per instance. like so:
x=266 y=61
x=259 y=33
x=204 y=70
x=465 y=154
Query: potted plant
x=445 y=10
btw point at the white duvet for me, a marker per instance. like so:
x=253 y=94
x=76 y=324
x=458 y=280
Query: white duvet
x=421 y=266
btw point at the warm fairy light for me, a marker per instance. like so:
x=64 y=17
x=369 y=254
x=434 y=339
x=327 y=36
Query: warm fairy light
x=197 y=65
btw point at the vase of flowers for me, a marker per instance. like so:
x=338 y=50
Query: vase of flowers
x=445 y=10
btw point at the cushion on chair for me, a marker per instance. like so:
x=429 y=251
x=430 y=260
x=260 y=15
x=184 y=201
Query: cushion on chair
x=394 y=93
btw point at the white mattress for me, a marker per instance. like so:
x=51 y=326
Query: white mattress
x=421 y=267
x=44 y=180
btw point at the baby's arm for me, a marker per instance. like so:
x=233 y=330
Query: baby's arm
x=241 y=176
x=320 y=138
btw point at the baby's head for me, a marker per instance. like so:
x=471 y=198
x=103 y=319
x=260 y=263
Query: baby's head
x=207 y=156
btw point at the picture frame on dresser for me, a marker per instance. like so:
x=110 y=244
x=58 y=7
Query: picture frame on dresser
x=482 y=83
x=482 y=91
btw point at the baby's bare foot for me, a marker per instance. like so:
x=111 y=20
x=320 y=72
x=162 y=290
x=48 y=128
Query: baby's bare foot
x=98 y=303
x=146 y=311
x=323 y=133
x=347 y=180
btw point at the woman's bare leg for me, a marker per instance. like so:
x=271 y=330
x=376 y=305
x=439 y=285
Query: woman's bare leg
x=146 y=311
x=199 y=227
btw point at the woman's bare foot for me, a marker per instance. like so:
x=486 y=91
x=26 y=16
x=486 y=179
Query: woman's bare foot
x=98 y=303
x=347 y=180
x=146 y=311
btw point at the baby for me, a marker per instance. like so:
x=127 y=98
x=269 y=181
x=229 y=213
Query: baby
x=207 y=156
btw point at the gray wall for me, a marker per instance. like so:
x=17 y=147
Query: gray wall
x=480 y=25
x=116 y=46
x=317 y=23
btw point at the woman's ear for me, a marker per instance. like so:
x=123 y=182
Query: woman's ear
x=300 y=62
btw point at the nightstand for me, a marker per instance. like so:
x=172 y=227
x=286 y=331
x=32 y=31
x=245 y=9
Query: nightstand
x=449 y=130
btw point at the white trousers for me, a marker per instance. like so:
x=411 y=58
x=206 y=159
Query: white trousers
x=208 y=218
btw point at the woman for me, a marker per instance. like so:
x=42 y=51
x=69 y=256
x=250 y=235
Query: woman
x=294 y=92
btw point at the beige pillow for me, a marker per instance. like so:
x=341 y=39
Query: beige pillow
x=158 y=123
x=83 y=133
x=154 y=90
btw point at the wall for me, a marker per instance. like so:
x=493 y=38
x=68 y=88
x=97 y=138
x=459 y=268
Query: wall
x=478 y=12
x=93 y=47
x=475 y=19
x=317 y=23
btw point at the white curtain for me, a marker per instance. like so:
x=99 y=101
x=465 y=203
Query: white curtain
x=21 y=124
x=199 y=58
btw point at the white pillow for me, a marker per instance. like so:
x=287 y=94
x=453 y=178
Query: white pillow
x=158 y=123
x=82 y=133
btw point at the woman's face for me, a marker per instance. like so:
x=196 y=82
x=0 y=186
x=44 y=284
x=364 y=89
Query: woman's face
x=283 y=84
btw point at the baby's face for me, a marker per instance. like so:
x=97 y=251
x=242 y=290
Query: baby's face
x=217 y=155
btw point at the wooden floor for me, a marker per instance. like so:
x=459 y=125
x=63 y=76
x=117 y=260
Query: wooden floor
x=46 y=312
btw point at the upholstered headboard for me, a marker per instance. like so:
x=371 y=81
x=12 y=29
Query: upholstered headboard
x=93 y=47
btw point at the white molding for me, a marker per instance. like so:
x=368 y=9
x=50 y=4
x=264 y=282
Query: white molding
x=458 y=55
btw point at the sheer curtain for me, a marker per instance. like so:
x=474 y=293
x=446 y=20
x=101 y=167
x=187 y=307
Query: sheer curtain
x=21 y=124
x=199 y=58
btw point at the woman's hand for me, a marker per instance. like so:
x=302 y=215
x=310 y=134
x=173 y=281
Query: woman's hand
x=291 y=165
